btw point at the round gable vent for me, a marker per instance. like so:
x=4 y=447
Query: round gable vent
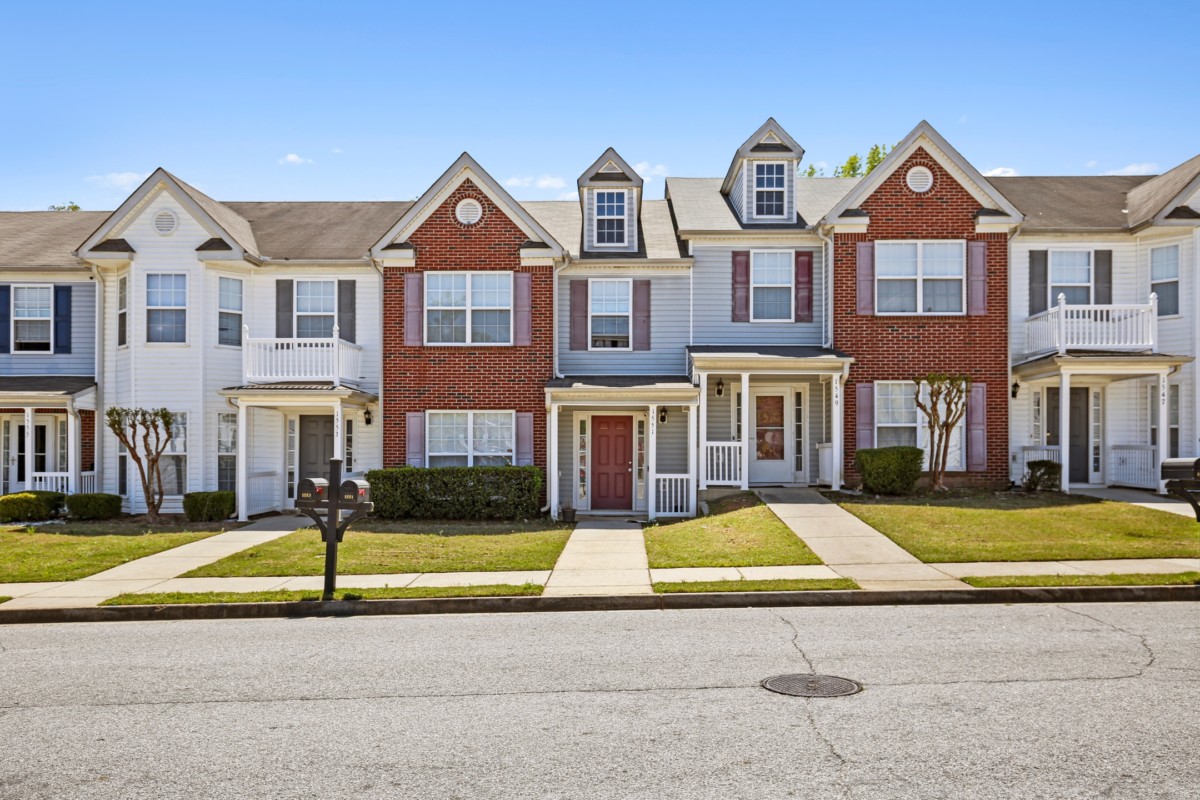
x=468 y=211
x=165 y=222
x=920 y=179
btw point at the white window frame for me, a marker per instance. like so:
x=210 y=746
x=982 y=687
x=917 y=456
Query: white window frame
x=348 y=445
x=469 y=308
x=238 y=312
x=297 y=313
x=181 y=420
x=12 y=313
x=1174 y=411
x=754 y=186
x=470 y=454
x=183 y=308
x=791 y=287
x=1175 y=280
x=227 y=443
x=909 y=388
x=628 y=282
x=920 y=278
x=1052 y=300
x=123 y=309
x=623 y=216
x=922 y=430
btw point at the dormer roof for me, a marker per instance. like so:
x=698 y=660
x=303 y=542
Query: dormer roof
x=610 y=169
x=769 y=141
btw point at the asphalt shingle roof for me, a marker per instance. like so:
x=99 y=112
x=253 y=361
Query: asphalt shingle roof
x=1071 y=203
x=45 y=238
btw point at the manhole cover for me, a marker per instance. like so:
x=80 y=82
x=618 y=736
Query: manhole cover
x=811 y=685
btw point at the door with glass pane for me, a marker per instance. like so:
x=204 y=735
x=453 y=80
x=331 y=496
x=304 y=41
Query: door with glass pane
x=40 y=437
x=772 y=442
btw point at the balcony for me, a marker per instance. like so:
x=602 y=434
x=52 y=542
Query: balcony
x=301 y=360
x=1127 y=328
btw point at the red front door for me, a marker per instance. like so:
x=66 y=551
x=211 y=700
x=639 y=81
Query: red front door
x=612 y=463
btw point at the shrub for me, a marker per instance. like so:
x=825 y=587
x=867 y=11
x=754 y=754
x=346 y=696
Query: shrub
x=456 y=492
x=93 y=506
x=890 y=470
x=1042 y=474
x=209 y=506
x=54 y=501
x=26 y=507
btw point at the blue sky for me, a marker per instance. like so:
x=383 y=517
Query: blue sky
x=371 y=101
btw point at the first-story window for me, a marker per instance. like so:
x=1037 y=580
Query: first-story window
x=769 y=184
x=920 y=277
x=1036 y=427
x=63 y=445
x=122 y=470
x=470 y=438
x=610 y=218
x=227 y=452
x=1071 y=276
x=348 y=449
x=899 y=423
x=1164 y=278
x=1172 y=418
x=468 y=307
x=32 y=315
x=166 y=308
x=173 y=463
x=771 y=276
x=122 y=311
x=610 y=312
x=316 y=307
x=229 y=312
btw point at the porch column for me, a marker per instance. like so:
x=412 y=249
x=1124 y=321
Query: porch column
x=651 y=464
x=1064 y=430
x=836 y=431
x=243 y=501
x=28 y=448
x=702 y=411
x=693 y=413
x=1164 y=430
x=339 y=435
x=745 y=430
x=552 y=490
x=72 y=451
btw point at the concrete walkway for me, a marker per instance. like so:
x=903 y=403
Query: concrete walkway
x=603 y=556
x=1141 y=497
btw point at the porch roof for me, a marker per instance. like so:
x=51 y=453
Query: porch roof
x=770 y=357
x=53 y=385
x=631 y=389
x=290 y=391
x=1116 y=365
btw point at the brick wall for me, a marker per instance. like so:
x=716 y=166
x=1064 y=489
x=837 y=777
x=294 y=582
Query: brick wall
x=87 y=436
x=903 y=348
x=465 y=377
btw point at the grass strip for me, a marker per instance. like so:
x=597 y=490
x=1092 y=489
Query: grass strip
x=777 y=585
x=286 y=596
x=1133 y=579
x=739 y=531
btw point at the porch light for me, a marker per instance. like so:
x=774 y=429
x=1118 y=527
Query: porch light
x=662 y=416
x=1016 y=387
x=367 y=417
x=720 y=387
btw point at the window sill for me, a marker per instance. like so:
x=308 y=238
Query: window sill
x=157 y=345
x=610 y=349
x=953 y=314
x=469 y=344
x=780 y=321
x=228 y=346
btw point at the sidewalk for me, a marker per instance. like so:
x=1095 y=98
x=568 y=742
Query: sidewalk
x=603 y=556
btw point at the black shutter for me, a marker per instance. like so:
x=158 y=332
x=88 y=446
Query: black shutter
x=1039 y=287
x=347 y=297
x=5 y=317
x=62 y=319
x=1103 y=259
x=284 y=294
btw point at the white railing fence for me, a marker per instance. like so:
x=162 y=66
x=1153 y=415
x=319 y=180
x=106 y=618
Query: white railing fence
x=1131 y=326
x=1133 y=465
x=279 y=360
x=1035 y=453
x=673 y=496
x=723 y=463
x=87 y=482
x=51 y=482
x=262 y=492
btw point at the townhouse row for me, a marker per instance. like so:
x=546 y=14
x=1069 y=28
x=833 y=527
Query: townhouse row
x=751 y=329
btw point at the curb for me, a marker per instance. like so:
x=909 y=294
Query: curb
x=656 y=602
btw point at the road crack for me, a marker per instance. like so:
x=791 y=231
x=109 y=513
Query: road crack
x=1145 y=645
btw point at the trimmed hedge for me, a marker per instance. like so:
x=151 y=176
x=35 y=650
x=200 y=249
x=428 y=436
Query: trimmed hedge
x=94 y=506
x=456 y=492
x=1042 y=474
x=30 y=506
x=890 y=470
x=209 y=506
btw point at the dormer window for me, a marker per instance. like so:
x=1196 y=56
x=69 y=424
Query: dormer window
x=769 y=183
x=610 y=218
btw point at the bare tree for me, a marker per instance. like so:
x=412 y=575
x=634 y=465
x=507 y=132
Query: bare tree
x=943 y=409
x=145 y=434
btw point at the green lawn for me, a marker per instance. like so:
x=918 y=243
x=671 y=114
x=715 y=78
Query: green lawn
x=975 y=525
x=780 y=585
x=4 y=599
x=740 y=531
x=409 y=546
x=284 y=596
x=75 y=550
x=1138 y=579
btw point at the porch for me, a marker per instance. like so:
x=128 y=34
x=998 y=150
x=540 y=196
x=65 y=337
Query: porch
x=48 y=434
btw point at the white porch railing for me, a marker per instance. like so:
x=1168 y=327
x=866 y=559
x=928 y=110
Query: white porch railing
x=1109 y=327
x=87 y=482
x=51 y=482
x=1035 y=453
x=723 y=463
x=1133 y=465
x=282 y=360
x=262 y=491
x=673 y=496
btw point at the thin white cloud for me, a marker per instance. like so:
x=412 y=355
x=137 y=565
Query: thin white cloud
x=649 y=171
x=1092 y=164
x=118 y=180
x=1001 y=172
x=337 y=151
x=540 y=182
x=517 y=182
x=550 y=182
x=292 y=158
x=1142 y=168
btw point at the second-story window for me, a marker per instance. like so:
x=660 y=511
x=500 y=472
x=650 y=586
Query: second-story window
x=610 y=218
x=229 y=312
x=610 y=314
x=468 y=307
x=920 y=277
x=166 y=308
x=32 y=316
x=316 y=309
x=771 y=276
x=122 y=311
x=769 y=185
x=1164 y=278
x=1071 y=276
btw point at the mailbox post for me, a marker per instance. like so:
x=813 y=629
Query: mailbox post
x=1183 y=480
x=324 y=501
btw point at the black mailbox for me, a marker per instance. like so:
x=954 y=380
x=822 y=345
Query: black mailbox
x=1180 y=469
x=354 y=492
x=311 y=491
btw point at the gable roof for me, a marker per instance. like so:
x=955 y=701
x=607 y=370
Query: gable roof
x=1158 y=197
x=32 y=239
x=610 y=168
x=938 y=148
x=1076 y=203
x=699 y=204
x=770 y=140
x=315 y=231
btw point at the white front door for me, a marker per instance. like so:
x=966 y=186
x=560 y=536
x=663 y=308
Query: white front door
x=772 y=438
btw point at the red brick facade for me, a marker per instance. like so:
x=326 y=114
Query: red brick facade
x=465 y=377
x=906 y=347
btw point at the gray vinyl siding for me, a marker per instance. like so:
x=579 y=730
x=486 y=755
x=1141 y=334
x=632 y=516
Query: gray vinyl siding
x=82 y=358
x=672 y=443
x=713 y=302
x=737 y=195
x=789 y=189
x=669 y=311
x=631 y=221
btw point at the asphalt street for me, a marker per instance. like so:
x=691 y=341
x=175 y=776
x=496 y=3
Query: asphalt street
x=1029 y=701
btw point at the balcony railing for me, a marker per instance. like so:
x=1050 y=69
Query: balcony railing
x=285 y=360
x=723 y=464
x=1128 y=327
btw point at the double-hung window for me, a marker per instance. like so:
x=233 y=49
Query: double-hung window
x=770 y=180
x=1164 y=278
x=470 y=438
x=610 y=218
x=899 y=423
x=610 y=313
x=771 y=276
x=1071 y=276
x=227 y=452
x=468 y=307
x=166 y=308
x=920 y=277
x=229 y=312
x=1172 y=418
x=316 y=309
x=122 y=311
x=173 y=463
x=32 y=317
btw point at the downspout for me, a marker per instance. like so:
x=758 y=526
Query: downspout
x=97 y=439
x=555 y=370
x=827 y=281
